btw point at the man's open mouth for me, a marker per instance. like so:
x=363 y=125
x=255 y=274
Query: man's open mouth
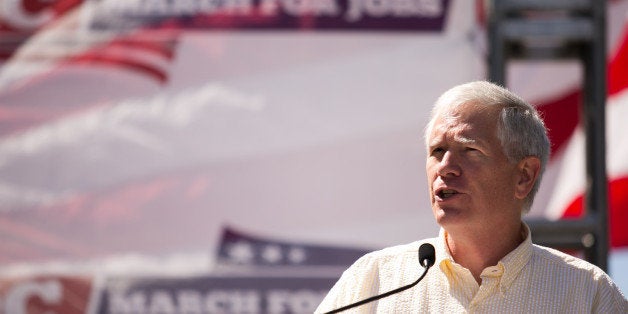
x=446 y=193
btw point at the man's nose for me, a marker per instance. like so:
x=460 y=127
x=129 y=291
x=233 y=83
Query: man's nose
x=448 y=165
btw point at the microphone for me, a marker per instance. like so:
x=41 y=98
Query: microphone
x=427 y=258
x=427 y=255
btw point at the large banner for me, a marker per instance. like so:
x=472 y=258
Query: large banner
x=234 y=156
x=149 y=137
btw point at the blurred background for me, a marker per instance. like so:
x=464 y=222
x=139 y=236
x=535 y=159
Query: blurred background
x=163 y=156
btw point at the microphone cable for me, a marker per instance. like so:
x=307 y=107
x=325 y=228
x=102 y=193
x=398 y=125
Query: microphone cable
x=427 y=258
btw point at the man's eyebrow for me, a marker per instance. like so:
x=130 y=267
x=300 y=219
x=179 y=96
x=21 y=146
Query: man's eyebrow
x=458 y=138
x=465 y=140
x=469 y=140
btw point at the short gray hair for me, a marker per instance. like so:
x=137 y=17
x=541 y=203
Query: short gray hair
x=520 y=129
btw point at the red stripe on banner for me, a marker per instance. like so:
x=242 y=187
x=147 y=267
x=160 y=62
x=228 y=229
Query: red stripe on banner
x=13 y=36
x=62 y=6
x=617 y=76
x=561 y=117
x=145 y=41
x=617 y=205
x=480 y=12
x=34 y=7
x=122 y=61
x=158 y=44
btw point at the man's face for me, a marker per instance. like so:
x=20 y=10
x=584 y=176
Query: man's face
x=472 y=183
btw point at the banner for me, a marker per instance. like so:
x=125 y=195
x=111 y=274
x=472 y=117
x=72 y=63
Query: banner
x=255 y=294
x=425 y=15
x=252 y=275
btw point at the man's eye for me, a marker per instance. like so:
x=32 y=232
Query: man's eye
x=437 y=150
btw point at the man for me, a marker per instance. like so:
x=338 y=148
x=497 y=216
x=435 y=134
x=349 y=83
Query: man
x=486 y=152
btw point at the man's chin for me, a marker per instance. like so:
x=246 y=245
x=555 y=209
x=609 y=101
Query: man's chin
x=448 y=216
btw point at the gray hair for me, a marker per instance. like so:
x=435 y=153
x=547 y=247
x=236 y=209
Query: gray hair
x=520 y=129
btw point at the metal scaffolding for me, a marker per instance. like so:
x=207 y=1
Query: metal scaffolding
x=555 y=30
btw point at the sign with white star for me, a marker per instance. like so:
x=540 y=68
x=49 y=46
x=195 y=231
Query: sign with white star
x=238 y=248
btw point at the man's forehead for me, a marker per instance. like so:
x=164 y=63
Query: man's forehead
x=461 y=132
x=469 y=111
x=465 y=123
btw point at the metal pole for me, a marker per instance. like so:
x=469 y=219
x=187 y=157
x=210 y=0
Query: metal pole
x=594 y=121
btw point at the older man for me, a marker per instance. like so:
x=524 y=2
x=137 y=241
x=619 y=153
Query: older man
x=486 y=152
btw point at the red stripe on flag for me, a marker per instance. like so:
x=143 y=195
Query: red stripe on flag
x=617 y=76
x=561 y=117
x=618 y=213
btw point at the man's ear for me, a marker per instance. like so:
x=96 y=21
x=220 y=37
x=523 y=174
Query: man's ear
x=528 y=170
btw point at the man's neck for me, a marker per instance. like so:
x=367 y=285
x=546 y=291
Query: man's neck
x=477 y=251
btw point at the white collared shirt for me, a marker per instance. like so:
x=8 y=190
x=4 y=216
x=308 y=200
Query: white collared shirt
x=530 y=279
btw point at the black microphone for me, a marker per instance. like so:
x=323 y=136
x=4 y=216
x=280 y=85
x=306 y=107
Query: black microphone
x=427 y=255
x=427 y=258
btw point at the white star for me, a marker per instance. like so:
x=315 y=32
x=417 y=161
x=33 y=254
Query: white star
x=272 y=254
x=297 y=255
x=241 y=252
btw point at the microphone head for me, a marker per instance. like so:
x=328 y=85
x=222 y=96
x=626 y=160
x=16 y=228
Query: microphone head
x=427 y=255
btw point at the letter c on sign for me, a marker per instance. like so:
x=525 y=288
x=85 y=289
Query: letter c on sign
x=49 y=291
x=12 y=12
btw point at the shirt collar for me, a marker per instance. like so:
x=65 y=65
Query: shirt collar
x=512 y=263
x=517 y=259
x=444 y=260
x=442 y=250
